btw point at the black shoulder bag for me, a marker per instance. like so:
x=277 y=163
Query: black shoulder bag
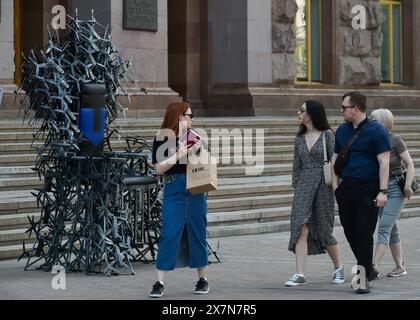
x=401 y=178
x=343 y=156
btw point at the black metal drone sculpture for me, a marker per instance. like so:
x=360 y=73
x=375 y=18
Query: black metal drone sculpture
x=90 y=212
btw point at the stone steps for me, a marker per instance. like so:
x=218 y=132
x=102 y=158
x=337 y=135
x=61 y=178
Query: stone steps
x=220 y=225
x=250 y=189
x=251 y=228
x=28 y=160
x=16 y=221
x=247 y=203
x=17 y=171
x=266 y=201
x=14 y=236
x=225 y=199
x=244 y=201
x=253 y=197
x=27 y=137
x=11 y=251
x=242 y=205
x=262 y=121
x=17 y=202
x=216 y=219
x=25 y=148
x=242 y=227
x=31 y=180
x=285 y=142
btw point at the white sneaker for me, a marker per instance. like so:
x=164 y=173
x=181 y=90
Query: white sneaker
x=397 y=272
x=338 y=275
x=295 y=280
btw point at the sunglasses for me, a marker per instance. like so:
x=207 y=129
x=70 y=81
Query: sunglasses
x=190 y=115
x=346 y=107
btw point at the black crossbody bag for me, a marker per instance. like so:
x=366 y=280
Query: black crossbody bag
x=401 y=178
x=343 y=156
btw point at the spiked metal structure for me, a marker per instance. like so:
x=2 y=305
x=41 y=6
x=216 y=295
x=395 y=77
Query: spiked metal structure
x=53 y=81
x=88 y=221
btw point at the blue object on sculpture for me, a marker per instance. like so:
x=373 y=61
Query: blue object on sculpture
x=92 y=118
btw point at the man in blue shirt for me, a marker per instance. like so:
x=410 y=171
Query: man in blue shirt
x=361 y=187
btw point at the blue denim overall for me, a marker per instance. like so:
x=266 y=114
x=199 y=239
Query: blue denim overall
x=184 y=221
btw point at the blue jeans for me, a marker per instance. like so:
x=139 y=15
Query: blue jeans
x=387 y=228
x=184 y=222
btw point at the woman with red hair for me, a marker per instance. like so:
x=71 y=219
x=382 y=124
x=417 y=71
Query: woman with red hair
x=184 y=216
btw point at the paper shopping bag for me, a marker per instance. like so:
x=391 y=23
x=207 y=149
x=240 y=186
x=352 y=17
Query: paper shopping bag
x=201 y=173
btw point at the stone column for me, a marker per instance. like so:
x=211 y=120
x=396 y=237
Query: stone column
x=283 y=15
x=259 y=42
x=239 y=54
x=149 y=51
x=240 y=41
x=184 y=49
x=330 y=41
x=193 y=52
x=360 y=49
x=228 y=19
x=7 y=64
x=411 y=43
x=228 y=58
x=416 y=40
x=33 y=28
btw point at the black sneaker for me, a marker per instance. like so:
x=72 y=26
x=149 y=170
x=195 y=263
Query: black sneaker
x=157 y=290
x=374 y=274
x=338 y=275
x=202 y=286
x=363 y=290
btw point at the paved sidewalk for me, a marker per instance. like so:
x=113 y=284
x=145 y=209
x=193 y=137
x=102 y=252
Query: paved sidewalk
x=254 y=267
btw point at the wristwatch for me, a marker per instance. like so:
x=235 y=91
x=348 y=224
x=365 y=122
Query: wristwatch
x=384 y=191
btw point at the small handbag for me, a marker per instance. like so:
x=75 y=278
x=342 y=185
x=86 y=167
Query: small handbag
x=327 y=164
x=401 y=178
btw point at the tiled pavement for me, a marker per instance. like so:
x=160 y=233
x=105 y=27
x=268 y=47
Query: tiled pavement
x=254 y=267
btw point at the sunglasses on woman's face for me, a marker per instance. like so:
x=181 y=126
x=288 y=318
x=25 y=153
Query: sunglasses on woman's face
x=190 y=115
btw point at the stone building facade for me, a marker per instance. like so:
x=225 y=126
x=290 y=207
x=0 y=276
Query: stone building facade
x=234 y=57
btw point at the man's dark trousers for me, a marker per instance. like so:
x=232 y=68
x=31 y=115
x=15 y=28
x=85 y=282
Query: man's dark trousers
x=358 y=216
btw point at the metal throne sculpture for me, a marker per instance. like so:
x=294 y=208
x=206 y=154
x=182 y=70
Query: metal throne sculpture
x=89 y=220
